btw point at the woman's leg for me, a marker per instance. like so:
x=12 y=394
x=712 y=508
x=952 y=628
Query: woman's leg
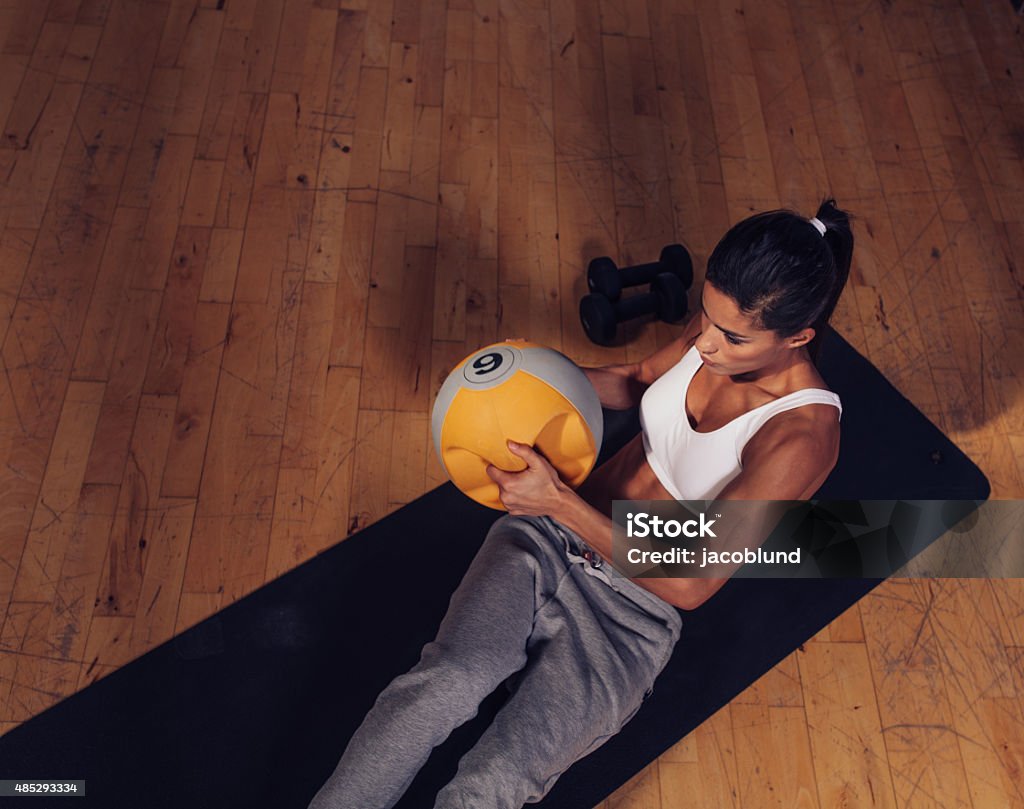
x=481 y=641
x=594 y=655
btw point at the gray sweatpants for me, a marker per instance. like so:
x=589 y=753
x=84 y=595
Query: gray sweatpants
x=579 y=647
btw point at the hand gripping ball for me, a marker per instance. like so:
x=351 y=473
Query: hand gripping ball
x=515 y=391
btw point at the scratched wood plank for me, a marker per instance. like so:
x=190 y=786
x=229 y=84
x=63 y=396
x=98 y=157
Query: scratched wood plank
x=195 y=57
x=368 y=134
x=689 y=134
x=195 y=401
x=412 y=369
x=148 y=144
x=1002 y=55
x=431 y=58
x=166 y=200
x=62 y=10
x=408 y=457
x=15 y=252
x=643 y=207
x=396 y=150
x=327 y=243
x=424 y=178
x=348 y=335
x=200 y=206
x=176 y=321
x=905 y=651
x=372 y=468
x=388 y=252
x=72 y=607
x=107 y=648
x=169 y=530
x=93 y=12
x=340 y=111
x=123 y=390
x=125 y=562
x=624 y=19
x=527 y=222
x=710 y=779
x=21 y=477
x=23 y=27
x=109 y=302
x=223 y=94
x=994 y=136
x=377 y=44
x=39 y=674
x=194 y=607
x=851 y=761
x=745 y=155
x=801 y=175
x=38 y=82
x=13 y=67
x=978 y=670
x=77 y=59
x=221 y=265
x=48 y=536
x=584 y=181
x=281 y=207
x=292 y=40
x=232 y=524
x=240 y=162
x=261 y=44
x=779 y=687
x=48 y=318
x=847 y=628
x=312 y=500
x=773 y=756
x=642 y=791
x=30 y=179
x=38 y=684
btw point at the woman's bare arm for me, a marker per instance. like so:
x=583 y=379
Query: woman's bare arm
x=620 y=387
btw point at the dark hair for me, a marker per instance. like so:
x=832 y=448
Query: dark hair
x=782 y=272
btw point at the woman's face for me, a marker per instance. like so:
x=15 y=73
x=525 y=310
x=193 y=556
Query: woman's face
x=730 y=344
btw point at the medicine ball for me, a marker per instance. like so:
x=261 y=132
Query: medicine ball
x=515 y=391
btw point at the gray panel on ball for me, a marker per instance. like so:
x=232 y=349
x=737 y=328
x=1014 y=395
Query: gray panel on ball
x=566 y=376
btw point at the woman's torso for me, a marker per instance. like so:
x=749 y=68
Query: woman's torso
x=715 y=407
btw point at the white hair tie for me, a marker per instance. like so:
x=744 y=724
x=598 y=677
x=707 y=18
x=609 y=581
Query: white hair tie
x=818 y=224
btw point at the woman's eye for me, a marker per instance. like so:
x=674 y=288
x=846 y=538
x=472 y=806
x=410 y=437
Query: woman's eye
x=733 y=340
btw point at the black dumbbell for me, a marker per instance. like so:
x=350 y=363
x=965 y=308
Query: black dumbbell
x=601 y=317
x=604 y=278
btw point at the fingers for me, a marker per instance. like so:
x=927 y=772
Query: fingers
x=526 y=452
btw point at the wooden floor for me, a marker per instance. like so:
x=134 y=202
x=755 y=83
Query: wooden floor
x=243 y=241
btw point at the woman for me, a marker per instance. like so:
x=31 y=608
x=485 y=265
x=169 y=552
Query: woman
x=732 y=409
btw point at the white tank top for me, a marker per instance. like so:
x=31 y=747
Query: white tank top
x=693 y=465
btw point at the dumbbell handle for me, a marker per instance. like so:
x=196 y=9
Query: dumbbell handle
x=640 y=274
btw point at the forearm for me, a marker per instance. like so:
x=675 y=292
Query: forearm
x=618 y=386
x=597 y=530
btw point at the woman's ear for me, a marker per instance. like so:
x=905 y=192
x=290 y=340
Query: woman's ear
x=800 y=339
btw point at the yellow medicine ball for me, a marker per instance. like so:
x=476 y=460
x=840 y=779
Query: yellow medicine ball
x=515 y=391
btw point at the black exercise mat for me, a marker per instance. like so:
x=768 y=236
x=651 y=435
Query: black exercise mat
x=252 y=707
